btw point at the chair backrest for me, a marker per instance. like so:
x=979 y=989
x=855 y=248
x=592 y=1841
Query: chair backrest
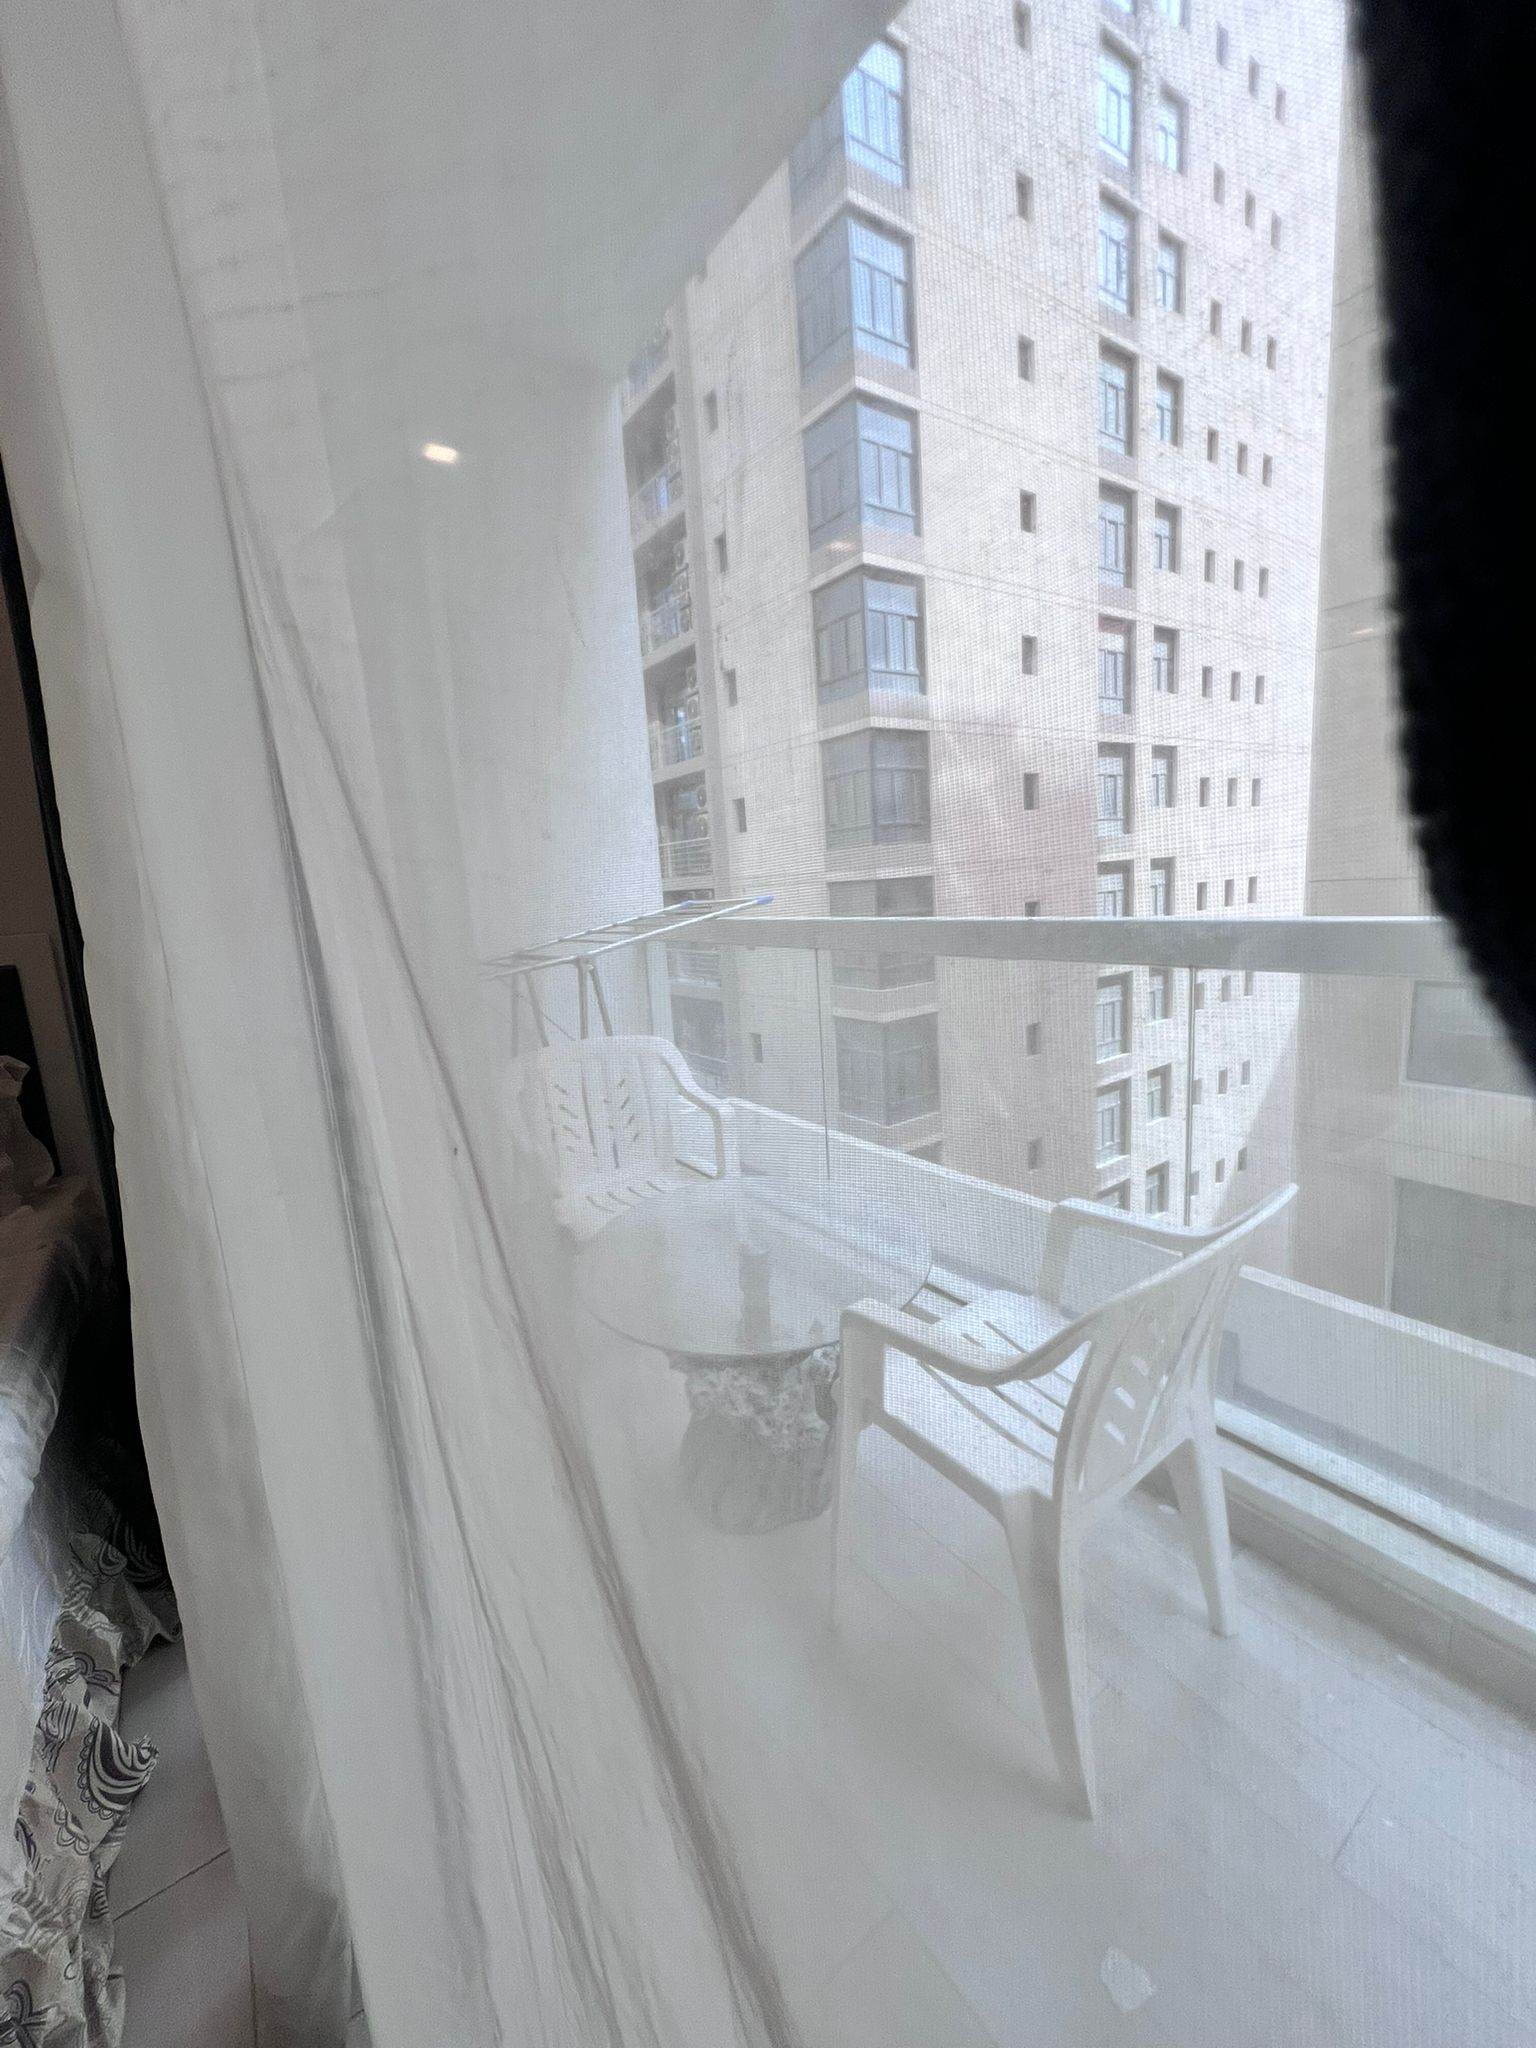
x=1149 y=1352
x=596 y=1110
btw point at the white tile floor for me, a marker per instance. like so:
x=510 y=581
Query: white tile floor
x=1310 y=1837
x=180 y=1928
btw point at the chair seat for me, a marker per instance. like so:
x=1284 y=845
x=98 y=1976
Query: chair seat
x=583 y=1214
x=1005 y=1437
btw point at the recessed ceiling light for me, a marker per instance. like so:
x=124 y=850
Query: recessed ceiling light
x=437 y=451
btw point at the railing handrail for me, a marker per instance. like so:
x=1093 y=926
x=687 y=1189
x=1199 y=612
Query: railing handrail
x=1413 y=948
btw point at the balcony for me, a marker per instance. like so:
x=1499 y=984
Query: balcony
x=647 y=364
x=686 y=860
x=1329 y=1805
x=658 y=498
x=674 y=741
x=667 y=621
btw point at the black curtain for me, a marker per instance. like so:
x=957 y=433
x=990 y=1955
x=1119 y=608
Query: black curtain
x=1442 y=86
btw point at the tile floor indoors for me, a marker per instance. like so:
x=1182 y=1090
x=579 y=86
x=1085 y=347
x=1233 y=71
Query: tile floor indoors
x=1309 y=1836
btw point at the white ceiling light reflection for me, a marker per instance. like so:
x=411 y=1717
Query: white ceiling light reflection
x=439 y=451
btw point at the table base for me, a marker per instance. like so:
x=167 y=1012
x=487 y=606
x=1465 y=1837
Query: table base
x=758 y=1449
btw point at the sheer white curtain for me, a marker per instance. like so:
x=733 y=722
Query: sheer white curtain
x=324 y=719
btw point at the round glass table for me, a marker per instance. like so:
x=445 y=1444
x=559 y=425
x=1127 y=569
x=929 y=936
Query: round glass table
x=742 y=1283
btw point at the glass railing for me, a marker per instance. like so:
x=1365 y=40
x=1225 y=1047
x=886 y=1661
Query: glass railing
x=682 y=859
x=658 y=494
x=1381 y=1338
x=667 y=620
x=674 y=740
x=649 y=361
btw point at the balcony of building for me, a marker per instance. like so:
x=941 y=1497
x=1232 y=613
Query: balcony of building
x=651 y=362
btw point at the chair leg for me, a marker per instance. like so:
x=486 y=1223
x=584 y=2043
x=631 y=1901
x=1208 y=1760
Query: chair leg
x=850 y=1427
x=1050 y=1589
x=1195 y=1469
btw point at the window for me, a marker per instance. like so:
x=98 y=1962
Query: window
x=1202 y=901
x=887 y=1073
x=1026 y=511
x=1215 y=319
x=1165 y=537
x=1115 y=265
x=1245 y=338
x=1205 y=791
x=1254 y=790
x=1024 y=196
x=1170 y=408
x=728 y=677
x=1253 y=76
x=1219 y=185
x=1114 y=793
x=756 y=1038
x=1223 y=46
x=875 y=786
x=1235 y=685
x=1117 y=87
x=1207 y=678
x=1031 y=792
x=1170 y=274
x=865 y=123
x=1279 y=102
x=1253 y=888
x=1274 y=231
x=1210 y=570
x=1231 y=791
x=1242 y=458
x=1245 y=1073
x=1228 y=894
x=851 y=289
x=1212 y=444
x=1021 y=25
x=1164 y=787
x=1465 y=1263
x=1177 y=11
x=1033 y=1153
x=711 y=411
x=1271 y=353
x=1162 y=888
x=1193 y=1182
x=1109 y=1015
x=1115 y=555
x=1237 y=573
x=860 y=465
x=1026 y=359
x=874 y=128
x=1157 y=1190
x=1159 y=1094
x=1032 y=906
x=1226 y=997
x=1033 y=1039
x=1456 y=1041
x=1263 y=583
x=1114 y=892
x=1242 y=1158
x=1029 y=654
x=1160 y=995
x=897 y=896
x=1165 y=661
x=1114 y=666
x=1221 y=1171
x=1109 y=1137
x=1267 y=472
x=1171 y=123
x=1250 y=210
x=1248 y=982
x=739 y=807
x=722 y=553
x=1258 y=689
x=869 y=636
x=1115 y=401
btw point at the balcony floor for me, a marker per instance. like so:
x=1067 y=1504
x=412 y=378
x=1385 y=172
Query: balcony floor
x=1307 y=1834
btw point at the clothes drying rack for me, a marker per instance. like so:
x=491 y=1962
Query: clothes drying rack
x=581 y=952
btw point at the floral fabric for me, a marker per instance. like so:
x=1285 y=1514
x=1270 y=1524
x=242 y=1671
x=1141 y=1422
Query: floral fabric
x=57 y=1985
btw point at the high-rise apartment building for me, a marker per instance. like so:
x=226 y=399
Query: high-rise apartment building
x=977 y=491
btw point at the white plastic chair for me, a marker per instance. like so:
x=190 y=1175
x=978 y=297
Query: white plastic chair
x=1047 y=1418
x=597 y=1116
